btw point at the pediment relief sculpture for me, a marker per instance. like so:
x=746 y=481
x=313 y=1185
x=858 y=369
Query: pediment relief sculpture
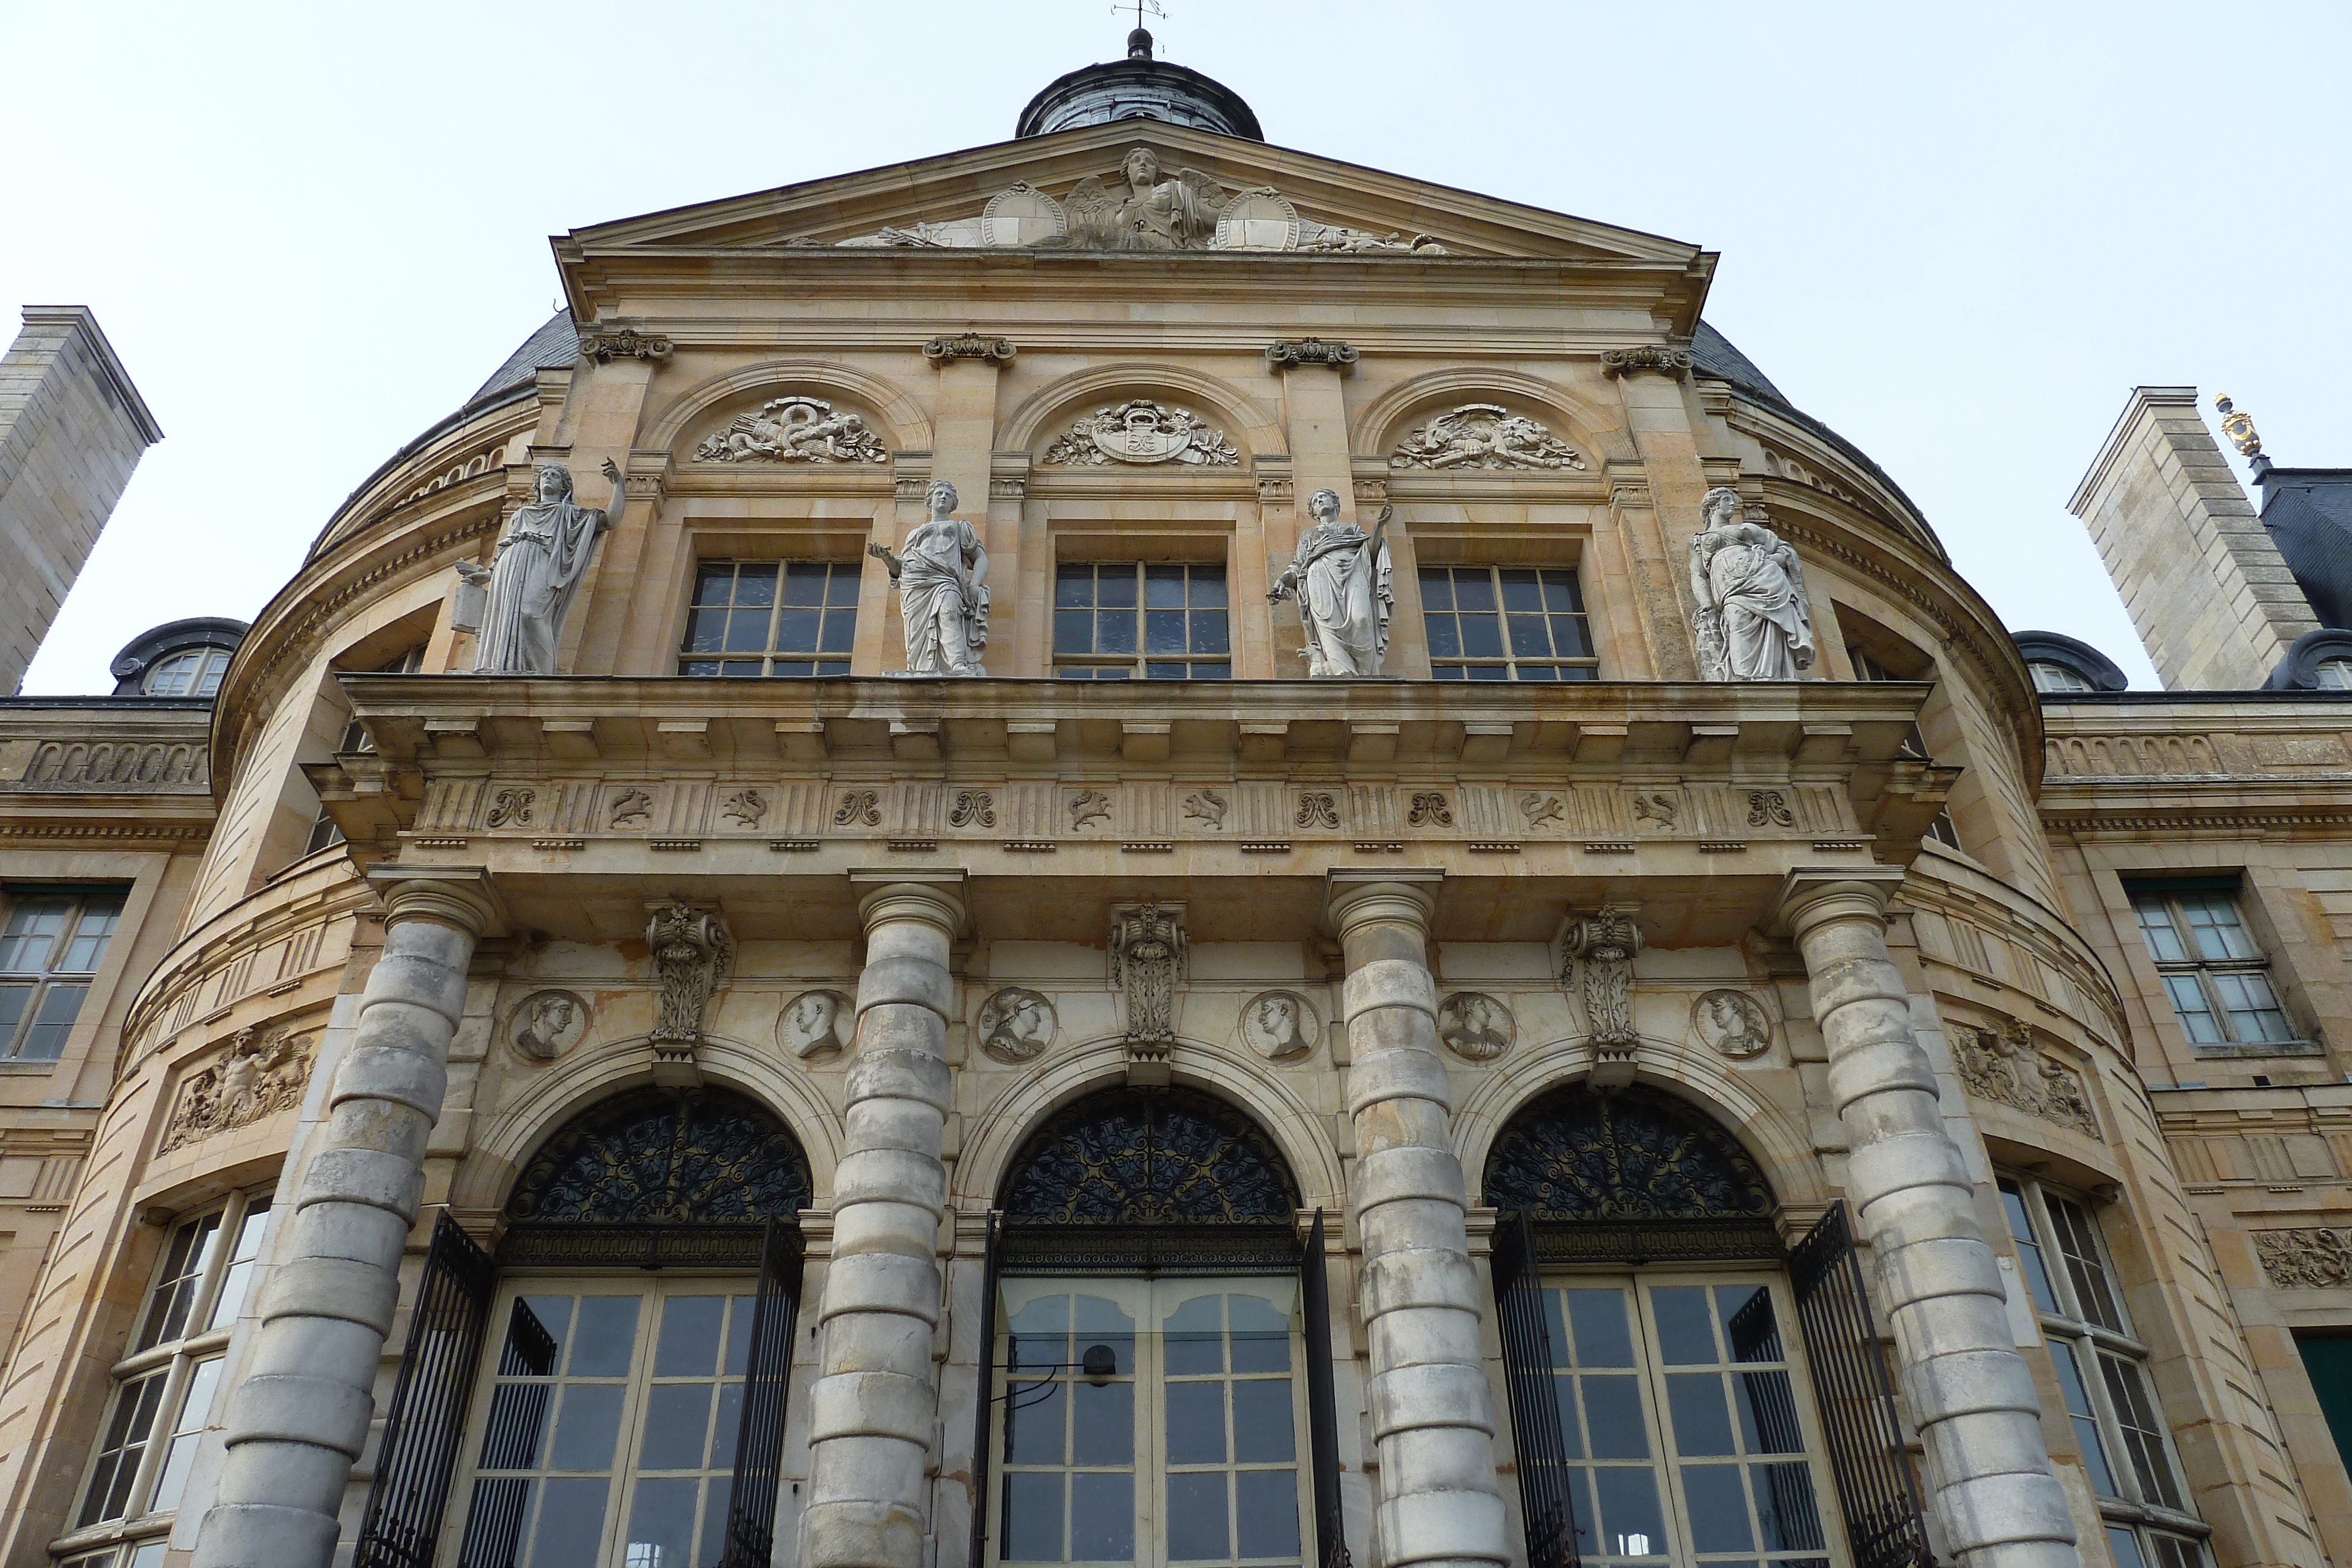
x=794 y=430
x=259 y=1075
x=1141 y=206
x=1484 y=435
x=1142 y=432
x=2005 y=1067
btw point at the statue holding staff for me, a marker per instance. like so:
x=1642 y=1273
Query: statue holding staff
x=942 y=589
x=542 y=557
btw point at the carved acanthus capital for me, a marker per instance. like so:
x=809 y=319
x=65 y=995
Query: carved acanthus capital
x=969 y=345
x=1665 y=361
x=692 y=952
x=1287 y=352
x=1149 y=959
x=1602 y=946
x=623 y=343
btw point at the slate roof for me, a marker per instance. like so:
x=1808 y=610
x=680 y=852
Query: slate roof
x=555 y=345
x=2309 y=512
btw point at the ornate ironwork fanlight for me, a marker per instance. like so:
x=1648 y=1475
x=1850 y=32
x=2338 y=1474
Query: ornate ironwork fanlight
x=679 y=1178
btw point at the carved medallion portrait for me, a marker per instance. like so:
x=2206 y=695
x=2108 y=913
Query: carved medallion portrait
x=548 y=1024
x=1474 y=1026
x=1280 y=1026
x=1733 y=1024
x=1016 y=1025
x=816 y=1024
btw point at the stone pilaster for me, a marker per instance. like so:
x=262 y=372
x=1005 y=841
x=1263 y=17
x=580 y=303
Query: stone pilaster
x=1969 y=1392
x=298 y=1419
x=1433 y=1417
x=874 y=1411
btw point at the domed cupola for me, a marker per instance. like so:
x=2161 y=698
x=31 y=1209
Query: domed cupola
x=1138 y=87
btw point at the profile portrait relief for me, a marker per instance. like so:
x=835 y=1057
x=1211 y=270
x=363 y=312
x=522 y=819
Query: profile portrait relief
x=815 y=1023
x=549 y=1023
x=1474 y=1026
x=1733 y=1024
x=1280 y=1025
x=1016 y=1024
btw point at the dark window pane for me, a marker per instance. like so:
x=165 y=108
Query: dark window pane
x=698 y=666
x=840 y=632
x=1261 y=1335
x=1446 y=672
x=706 y=630
x=755 y=585
x=1685 y=1326
x=1482 y=637
x=676 y=1426
x=1537 y=672
x=518 y=1423
x=1115 y=630
x=1209 y=634
x=689 y=1346
x=713 y=1548
x=796 y=631
x=1208 y=587
x=747 y=631
x=1718 y=1509
x=570 y=1520
x=1262 y=1427
x=1196 y=1423
x=1074 y=586
x=1115 y=587
x=1195 y=1338
x=1035 y=1425
x=712 y=581
x=1444 y=636
x=727 y=1429
x=1197 y=1525
x=804 y=582
x=1163 y=587
x=842 y=584
x=1529 y=637
x=833 y=667
x=784 y=669
x=1578 y=672
x=1562 y=591
x=1598 y=1318
x=47 y=1039
x=1436 y=589
x=1489 y=673
x=605 y=1336
x=1163 y=632
x=586 y=1425
x=1702 y=1425
x=1613 y=1415
x=1472 y=591
x=1102 y=1519
x=1570 y=638
x=1212 y=672
x=1074 y=632
x=1162 y=670
x=1266 y=1513
x=1520 y=589
x=739 y=669
x=1785 y=1509
x=1631 y=1522
x=1033 y=1519
x=1103 y=1424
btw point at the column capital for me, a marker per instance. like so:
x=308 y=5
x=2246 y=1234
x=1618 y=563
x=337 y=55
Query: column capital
x=1811 y=894
x=1292 y=353
x=886 y=895
x=460 y=896
x=1353 y=896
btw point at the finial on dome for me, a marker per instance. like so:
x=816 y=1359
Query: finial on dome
x=2240 y=428
x=1139 y=44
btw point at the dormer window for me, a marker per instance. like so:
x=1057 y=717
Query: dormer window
x=194 y=673
x=2058 y=678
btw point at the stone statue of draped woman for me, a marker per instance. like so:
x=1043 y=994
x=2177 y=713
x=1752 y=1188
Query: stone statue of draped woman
x=942 y=589
x=542 y=556
x=1754 y=622
x=1341 y=577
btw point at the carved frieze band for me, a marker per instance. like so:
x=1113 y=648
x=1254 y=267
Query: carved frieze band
x=115 y=766
x=1158 y=810
x=2319 y=1259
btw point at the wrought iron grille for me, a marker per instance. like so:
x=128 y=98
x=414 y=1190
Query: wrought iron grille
x=1322 y=1416
x=1633 y=1154
x=759 y=1439
x=560 y=1245
x=1637 y=1241
x=1050 y=1247
x=425 y=1423
x=652 y=1155
x=1150 y=1156
x=1877 y=1492
x=1527 y=1363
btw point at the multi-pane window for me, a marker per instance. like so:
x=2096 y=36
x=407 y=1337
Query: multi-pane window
x=323 y=830
x=1162 y=621
x=165 y=1386
x=2217 y=978
x=770 y=618
x=1506 y=624
x=2335 y=674
x=194 y=673
x=1866 y=668
x=610 y=1425
x=52 y=941
x=2102 y=1378
x=2058 y=678
x=1685 y=1437
x=1150 y=1423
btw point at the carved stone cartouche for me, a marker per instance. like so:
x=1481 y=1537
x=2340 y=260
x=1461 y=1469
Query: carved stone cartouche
x=1142 y=433
x=794 y=430
x=1484 y=435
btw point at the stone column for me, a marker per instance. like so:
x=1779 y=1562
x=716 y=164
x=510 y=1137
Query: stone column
x=1432 y=1416
x=874 y=1411
x=298 y=1420
x=1969 y=1392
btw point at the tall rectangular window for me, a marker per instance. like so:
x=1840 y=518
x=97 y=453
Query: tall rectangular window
x=752 y=618
x=2102 y=1378
x=52 y=941
x=1160 y=620
x=2216 y=978
x=1506 y=624
x=323 y=830
x=165 y=1386
x=1866 y=668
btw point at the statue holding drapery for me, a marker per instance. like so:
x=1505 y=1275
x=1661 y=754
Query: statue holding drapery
x=1341 y=577
x=942 y=589
x=542 y=556
x=1753 y=621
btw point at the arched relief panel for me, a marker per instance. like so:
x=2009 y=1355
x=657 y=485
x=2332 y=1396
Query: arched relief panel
x=997 y=1133
x=709 y=405
x=546 y=1102
x=1598 y=432
x=1777 y=1140
x=1049 y=412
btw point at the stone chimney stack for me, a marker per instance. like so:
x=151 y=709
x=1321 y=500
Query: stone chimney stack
x=2212 y=598
x=72 y=427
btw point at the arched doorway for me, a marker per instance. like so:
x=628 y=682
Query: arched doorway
x=1657 y=1377
x=1159 y=1381
x=637 y=1321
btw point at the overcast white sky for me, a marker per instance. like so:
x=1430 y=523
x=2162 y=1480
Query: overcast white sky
x=1957 y=235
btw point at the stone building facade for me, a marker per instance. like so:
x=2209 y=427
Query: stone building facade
x=1574 y=1002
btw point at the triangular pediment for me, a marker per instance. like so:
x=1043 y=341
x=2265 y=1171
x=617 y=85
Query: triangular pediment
x=1073 y=190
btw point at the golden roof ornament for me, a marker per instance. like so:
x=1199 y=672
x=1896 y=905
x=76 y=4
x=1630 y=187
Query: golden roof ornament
x=2240 y=428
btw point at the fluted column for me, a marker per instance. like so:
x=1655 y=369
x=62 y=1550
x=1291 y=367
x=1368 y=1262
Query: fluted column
x=300 y=1415
x=1432 y=1413
x=874 y=1411
x=1969 y=1392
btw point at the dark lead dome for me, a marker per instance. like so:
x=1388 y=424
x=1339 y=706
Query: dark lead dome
x=1138 y=87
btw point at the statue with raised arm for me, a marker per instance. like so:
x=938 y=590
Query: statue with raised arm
x=1341 y=577
x=542 y=556
x=1144 y=211
x=1753 y=621
x=942 y=589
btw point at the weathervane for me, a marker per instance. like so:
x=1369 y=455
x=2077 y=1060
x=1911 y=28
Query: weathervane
x=1139 y=42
